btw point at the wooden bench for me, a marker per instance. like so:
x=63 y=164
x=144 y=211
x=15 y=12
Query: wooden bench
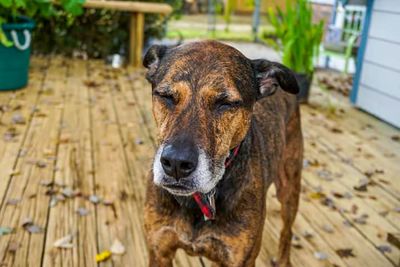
x=137 y=10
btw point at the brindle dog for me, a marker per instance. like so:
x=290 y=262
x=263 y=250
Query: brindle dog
x=208 y=98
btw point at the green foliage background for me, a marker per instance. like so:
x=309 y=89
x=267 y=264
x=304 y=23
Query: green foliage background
x=97 y=33
x=297 y=36
x=66 y=27
x=11 y=9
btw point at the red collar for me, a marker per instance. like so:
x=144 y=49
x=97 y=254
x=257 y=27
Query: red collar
x=205 y=202
x=232 y=154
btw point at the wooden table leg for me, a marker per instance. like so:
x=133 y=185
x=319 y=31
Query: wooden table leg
x=132 y=38
x=136 y=39
x=140 y=39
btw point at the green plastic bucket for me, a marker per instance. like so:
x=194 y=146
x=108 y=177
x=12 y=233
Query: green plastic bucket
x=14 y=60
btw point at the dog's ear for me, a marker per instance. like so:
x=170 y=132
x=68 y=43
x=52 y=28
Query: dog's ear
x=152 y=60
x=272 y=75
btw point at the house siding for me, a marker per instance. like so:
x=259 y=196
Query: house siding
x=378 y=85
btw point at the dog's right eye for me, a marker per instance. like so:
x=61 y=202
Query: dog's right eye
x=223 y=105
x=168 y=98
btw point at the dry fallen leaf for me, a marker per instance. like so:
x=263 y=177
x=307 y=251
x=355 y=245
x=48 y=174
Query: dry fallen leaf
x=82 y=211
x=64 y=242
x=361 y=219
x=94 y=199
x=384 y=248
x=327 y=201
x=393 y=239
x=396 y=138
x=5 y=230
x=327 y=228
x=389 y=155
x=103 y=256
x=139 y=141
x=30 y=227
x=345 y=252
x=13 y=201
x=347 y=223
x=337 y=195
x=68 y=192
x=47 y=183
x=362 y=185
x=41 y=164
x=53 y=201
x=18 y=119
x=296 y=242
x=325 y=175
x=319 y=255
x=307 y=234
x=354 y=209
x=347 y=195
x=48 y=152
x=316 y=195
x=64 y=139
x=13 y=246
x=117 y=248
x=383 y=213
x=336 y=130
x=90 y=83
x=10 y=134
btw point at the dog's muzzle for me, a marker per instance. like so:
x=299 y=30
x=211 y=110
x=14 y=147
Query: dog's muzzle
x=185 y=170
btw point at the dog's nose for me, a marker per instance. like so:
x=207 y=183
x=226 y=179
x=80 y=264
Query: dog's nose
x=179 y=162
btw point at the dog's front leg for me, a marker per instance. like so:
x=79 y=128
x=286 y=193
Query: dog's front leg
x=162 y=240
x=162 y=244
x=288 y=195
x=158 y=260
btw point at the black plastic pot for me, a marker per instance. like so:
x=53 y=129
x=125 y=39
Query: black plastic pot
x=304 y=81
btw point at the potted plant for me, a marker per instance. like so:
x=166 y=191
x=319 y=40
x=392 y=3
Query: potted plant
x=16 y=28
x=299 y=39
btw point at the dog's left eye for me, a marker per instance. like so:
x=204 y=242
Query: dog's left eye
x=223 y=105
x=166 y=97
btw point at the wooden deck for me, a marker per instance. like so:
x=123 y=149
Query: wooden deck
x=80 y=130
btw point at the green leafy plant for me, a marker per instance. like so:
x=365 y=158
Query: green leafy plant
x=296 y=35
x=230 y=6
x=97 y=33
x=10 y=10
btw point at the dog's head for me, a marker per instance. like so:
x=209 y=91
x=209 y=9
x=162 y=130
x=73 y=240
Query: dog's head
x=203 y=96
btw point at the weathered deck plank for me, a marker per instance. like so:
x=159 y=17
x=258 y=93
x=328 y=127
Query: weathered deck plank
x=73 y=172
x=34 y=167
x=342 y=178
x=303 y=256
x=136 y=149
x=20 y=103
x=356 y=152
x=377 y=133
x=113 y=177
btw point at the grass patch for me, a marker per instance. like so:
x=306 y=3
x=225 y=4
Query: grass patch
x=193 y=33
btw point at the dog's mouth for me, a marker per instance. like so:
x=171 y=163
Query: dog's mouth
x=205 y=201
x=178 y=189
